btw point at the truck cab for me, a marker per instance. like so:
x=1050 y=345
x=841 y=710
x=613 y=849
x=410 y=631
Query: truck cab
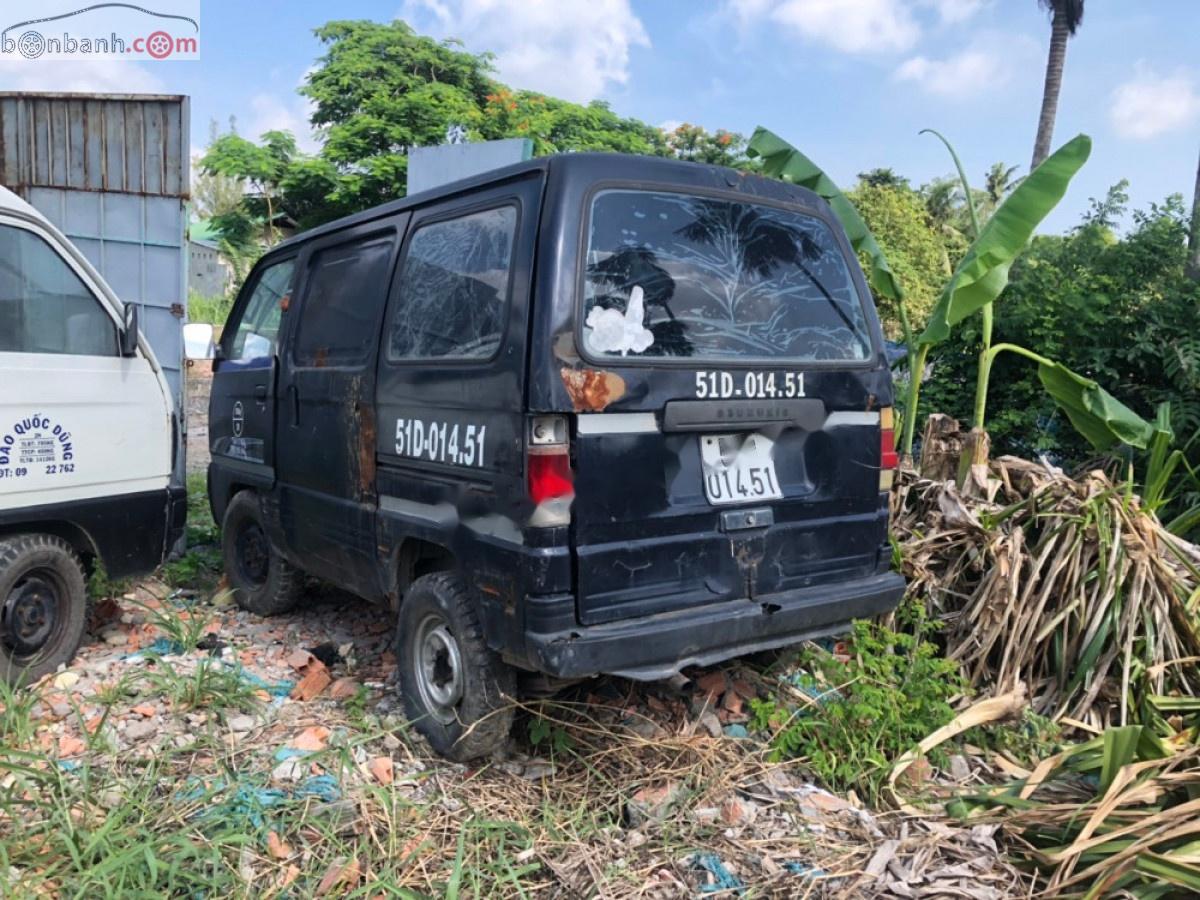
x=592 y=413
x=88 y=433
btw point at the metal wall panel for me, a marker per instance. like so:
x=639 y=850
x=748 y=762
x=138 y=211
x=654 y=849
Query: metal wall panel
x=134 y=144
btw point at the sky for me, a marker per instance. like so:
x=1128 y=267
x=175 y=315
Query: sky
x=850 y=82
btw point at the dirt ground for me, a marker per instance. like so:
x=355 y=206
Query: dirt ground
x=193 y=749
x=198 y=386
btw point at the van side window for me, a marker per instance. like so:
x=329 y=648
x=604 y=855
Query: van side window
x=258 y=331
x=44 y=306
x=453 y=289
x=343 y=297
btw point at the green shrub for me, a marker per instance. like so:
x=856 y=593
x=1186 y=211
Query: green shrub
x=894 y=690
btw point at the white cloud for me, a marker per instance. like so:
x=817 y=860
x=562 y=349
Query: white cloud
x=573 y=49
x=1150 y=104
x=954 y=12
x=113 y=76
x=852 y=26
x=964 y=74
x=272 y=112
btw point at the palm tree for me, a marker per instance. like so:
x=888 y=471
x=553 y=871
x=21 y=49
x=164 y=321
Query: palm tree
x=997 y=184
x=1065 y=18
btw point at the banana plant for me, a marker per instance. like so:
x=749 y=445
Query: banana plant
x=978 y=280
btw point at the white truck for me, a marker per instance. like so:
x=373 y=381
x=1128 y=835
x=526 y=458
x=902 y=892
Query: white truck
x=88 y=434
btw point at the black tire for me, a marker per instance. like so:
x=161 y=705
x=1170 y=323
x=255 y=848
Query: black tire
x=262 y=581
x=476 y=713
x=43 y=606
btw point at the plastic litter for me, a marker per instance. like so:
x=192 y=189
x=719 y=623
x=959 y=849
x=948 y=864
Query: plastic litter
x=725 y=880
x=737 y=732
x=277 y=689
x=805 y=870
x=323 y=787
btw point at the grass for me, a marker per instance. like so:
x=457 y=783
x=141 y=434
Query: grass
x=204 y=818
x=201 y=565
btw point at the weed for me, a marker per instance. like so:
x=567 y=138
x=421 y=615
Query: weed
x=99 y=585
x=555 y=737
x=865 y=712
x=1028 y=741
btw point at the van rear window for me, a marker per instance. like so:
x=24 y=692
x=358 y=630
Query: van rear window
x=675 y=275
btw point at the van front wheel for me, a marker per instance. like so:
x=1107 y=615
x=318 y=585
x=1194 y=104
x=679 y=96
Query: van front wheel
x=262 y=581
x=456 y=690
x=43 y=606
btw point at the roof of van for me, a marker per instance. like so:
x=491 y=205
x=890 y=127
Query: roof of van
x=591 y=165
x=11 y=202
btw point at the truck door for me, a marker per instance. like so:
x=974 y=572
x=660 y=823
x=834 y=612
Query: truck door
x=326 y=450
x=85 y=433
x=241 y=414
x=451 y=380
x=743 y=456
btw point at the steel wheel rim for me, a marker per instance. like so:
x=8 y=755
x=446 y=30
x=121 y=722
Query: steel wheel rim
x=253 y=554
x=32 y=614
x=438 y=668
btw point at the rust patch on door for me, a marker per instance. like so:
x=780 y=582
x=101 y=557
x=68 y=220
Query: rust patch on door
x=362 y=435
x=591 y=390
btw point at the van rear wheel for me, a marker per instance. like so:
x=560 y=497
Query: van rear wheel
x=262 y=581
x=457 y=691
x=43 y=606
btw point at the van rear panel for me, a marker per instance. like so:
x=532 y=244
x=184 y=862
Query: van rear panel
x=714 y=342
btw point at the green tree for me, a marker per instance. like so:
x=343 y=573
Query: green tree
x=263 y=167
x=1065 y=19
x=996 y=186
x=380 y=89
x=913 y=244
x=718 y=148
x=559 y=126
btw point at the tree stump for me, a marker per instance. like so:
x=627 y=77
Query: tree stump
x=941 y=446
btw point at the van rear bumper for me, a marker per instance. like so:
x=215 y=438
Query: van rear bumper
x=653 y=647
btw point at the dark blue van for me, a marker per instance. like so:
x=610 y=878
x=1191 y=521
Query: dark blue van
x=590 y=413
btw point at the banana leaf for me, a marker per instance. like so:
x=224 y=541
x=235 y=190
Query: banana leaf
x=983 y=272
x=1099 y=416
x=783 y=161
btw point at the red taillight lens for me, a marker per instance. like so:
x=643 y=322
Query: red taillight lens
x=550 y=476
x=888 y=458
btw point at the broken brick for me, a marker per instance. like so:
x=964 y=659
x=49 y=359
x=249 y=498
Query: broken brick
x=69 y=745
x=712 y=683
x=145 y=710
x=381 y=769
x=744 y=689
x=316 y=679
x=342 y=872
x=298 y=659
x=311 y=739
x=276 y=846
x=343 y=689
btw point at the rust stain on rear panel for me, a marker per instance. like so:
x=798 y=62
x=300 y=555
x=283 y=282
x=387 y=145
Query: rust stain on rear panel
x=591 y=390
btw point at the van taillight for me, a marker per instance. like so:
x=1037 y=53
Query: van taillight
x=889 y=461
x=548 y=464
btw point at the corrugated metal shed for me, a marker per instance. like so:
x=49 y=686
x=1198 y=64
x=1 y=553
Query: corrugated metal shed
x=125 y=143
x=111 y=172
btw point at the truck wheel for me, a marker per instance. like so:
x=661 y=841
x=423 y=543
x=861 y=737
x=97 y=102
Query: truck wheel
x=43 y=606
x=262 y=581
x=456 y=690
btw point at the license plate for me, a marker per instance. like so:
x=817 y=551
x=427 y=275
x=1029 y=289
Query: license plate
x=738 y=468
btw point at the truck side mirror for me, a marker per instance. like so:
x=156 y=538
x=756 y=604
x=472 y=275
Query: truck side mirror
x=198 y=342
x=129 y=330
